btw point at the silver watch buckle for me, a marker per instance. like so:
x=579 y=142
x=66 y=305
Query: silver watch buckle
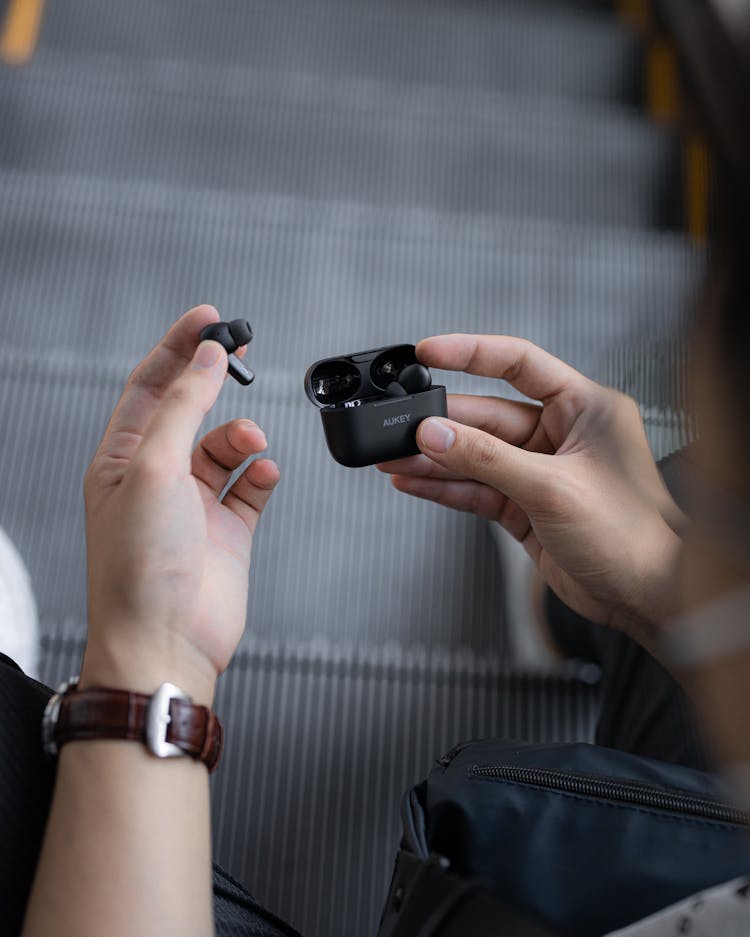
x=158 y=719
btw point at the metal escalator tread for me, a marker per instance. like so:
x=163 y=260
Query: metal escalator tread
x=312 y=137
x=367 y=564
x=85 y=260
x=88 y=257
x=321 y=742
x=430 y=270
x=333 y=705
x=352 y=579
x=508 y=46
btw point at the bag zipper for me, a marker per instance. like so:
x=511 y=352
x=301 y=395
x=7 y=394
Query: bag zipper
x=633 y=793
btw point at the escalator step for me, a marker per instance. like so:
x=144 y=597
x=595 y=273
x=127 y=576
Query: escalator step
x=506 y=46
x=104 y=267
x=379 y=143
x=101 y=269
x=346 y=175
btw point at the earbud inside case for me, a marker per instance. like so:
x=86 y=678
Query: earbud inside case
x=367 y=416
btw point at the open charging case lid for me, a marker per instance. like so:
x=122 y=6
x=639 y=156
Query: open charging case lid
x=361 y=422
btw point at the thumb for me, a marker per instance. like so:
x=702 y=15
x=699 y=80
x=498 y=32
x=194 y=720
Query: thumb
x=181 y=410
x=468 y=452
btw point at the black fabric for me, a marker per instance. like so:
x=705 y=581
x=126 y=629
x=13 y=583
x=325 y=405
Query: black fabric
x=586 y=838
x=238 y=914
x=26 y=782
x=427 y=900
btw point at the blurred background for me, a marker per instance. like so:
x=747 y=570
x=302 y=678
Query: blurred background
x=345 y=175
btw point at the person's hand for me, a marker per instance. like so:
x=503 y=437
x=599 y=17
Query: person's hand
x=167 y=561
x=573 y=479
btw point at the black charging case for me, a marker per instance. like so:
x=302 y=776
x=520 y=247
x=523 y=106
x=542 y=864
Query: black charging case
x=361 y=422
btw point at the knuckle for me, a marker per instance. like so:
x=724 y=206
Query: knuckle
x=513 y=371
x=614 y=397
x=182 y=392
x=588 y=397
x=475 y=501
x=622 y=408
x=147 y=471
x=140 y=379
x=134 y=377
x=481 y=451
x=628 y=405
x=556 y=494
x=474 y=356
x=584 y=395
x=187 y=395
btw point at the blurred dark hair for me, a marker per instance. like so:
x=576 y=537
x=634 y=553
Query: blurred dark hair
x=731 y=259
x=723 y=328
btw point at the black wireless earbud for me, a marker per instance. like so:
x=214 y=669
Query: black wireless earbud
x=231 y=336
x=414 y=379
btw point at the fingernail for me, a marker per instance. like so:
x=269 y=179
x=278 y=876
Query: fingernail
x=436 y=436
x=260 y=432
x=206 y=356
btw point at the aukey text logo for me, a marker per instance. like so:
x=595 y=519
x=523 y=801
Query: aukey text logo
x=393 y=420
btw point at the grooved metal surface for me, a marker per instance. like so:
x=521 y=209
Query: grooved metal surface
x=365 y=562
x=109 y=266
x=345 y=176
x=339 y=553
x=106 y=267
x=322 y=741
x=377 y=142
x=507 y=46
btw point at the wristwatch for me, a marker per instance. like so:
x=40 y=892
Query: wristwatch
x=168 y=723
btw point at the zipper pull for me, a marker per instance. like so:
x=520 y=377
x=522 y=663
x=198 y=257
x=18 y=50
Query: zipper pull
x=446 y=759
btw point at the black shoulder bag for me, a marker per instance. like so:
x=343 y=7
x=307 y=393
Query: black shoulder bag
x=519 y=840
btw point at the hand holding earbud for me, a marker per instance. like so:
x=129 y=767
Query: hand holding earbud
x=572 y=478
x=168 y=561
x=231 y=336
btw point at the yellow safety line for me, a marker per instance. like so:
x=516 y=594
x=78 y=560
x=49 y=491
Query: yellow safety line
x=665 y=106
x=21 y=30
x=697 y=186
x=663 y=82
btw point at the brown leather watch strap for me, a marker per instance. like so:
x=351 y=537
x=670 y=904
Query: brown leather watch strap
x=183 y=727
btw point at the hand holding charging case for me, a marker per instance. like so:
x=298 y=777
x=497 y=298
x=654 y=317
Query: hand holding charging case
x=368 y=415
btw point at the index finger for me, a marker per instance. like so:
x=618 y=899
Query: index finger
x=151 y=378
x=525 y=366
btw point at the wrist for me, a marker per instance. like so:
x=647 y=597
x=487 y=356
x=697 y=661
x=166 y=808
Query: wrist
x=120 y=664
x=656 y=598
